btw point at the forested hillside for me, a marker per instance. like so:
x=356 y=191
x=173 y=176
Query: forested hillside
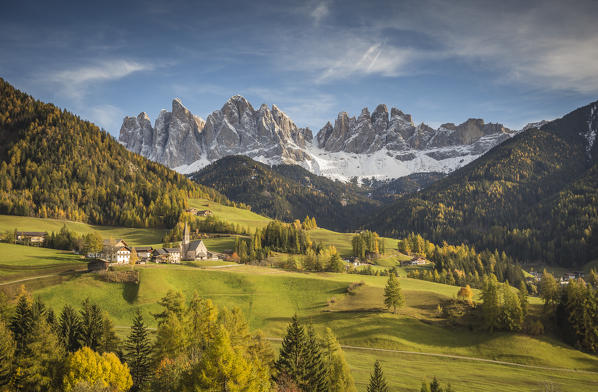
x=288 y=192
x=53 y=164
x=534 y=196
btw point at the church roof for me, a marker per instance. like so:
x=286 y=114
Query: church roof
x=193 y=245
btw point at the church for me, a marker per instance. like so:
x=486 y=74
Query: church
x=194 y=250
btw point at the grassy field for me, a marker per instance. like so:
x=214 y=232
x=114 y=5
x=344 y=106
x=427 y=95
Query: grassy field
x=269 y=297
x=132 y=236
x=245 y=218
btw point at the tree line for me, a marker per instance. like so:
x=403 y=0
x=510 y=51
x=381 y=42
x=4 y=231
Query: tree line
x=461 y=264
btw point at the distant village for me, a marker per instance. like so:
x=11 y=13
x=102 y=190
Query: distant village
x=120 y=252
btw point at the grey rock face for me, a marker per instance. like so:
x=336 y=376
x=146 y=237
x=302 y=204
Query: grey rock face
x=371 y=133
x=180 y=138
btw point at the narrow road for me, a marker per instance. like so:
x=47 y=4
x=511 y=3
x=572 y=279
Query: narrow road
x=461 y=357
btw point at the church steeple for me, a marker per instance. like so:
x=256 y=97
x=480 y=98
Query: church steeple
x=186 y=235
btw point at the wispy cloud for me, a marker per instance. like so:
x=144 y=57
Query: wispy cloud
x=319 y=13
x=74 y=81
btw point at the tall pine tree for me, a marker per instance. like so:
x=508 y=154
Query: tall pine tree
x=316 y=378
x=393 y=298
x=138 y=353
x=69 y=329
x=377 y=380
x=291 y=361
x=21 y=323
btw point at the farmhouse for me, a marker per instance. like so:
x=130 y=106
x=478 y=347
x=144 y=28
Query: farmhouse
x=173 y=255
x=160 y=255
x=116 y=252
x=31 y=237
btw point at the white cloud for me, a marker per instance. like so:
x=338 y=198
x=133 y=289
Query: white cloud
x=319 y=13
x=74 y=81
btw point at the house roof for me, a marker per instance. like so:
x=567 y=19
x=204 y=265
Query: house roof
x=32 y=233
x=116 y=242
x=143 y=248
x=160 y=251
x=172 y=250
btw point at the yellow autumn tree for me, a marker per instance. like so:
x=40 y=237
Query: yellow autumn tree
x=87 y=367
x=465 y=294
x=221 y=368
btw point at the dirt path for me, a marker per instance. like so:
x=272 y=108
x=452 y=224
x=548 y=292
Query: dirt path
x=461 y=357
x=39 y=277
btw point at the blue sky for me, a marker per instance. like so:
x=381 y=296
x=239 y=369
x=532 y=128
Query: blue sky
x=440 y=61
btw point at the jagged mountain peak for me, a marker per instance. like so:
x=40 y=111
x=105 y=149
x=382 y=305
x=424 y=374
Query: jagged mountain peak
x=378 y=144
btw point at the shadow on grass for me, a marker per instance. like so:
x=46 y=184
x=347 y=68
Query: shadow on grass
x=130 y=292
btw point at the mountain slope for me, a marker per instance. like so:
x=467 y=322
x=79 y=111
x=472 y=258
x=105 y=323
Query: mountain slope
x=534 y=195
x=382 y=145
x=287 y=192
x=53 y=164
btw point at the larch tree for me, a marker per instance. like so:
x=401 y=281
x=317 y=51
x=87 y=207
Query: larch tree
x=338 y=372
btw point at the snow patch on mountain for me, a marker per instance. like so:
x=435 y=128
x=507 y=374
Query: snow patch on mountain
x=382 y=145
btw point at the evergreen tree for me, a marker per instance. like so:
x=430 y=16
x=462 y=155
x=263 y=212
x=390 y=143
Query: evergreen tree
x=40 y=366
x=336 y=264
x=138 y=351
x=316 y=377
x=393 y=298
x=435 y=385
x=92 y=325
x=69 y=329
x=424 y=388
x=22 y=322
x=377 y=380
x=522 y=293
x=291 y=360
x=109 y=342
x=7 y=352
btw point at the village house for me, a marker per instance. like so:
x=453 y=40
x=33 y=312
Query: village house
x=31 y=237
x=195 y=211
x=173 y=255
x=160 y=255
x=144 y=253
x=115 y=252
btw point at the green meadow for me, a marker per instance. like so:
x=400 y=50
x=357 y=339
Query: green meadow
x=133 y=236
x=269 y=297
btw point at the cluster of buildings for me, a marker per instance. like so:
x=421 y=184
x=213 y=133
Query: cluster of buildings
x=415 y=261
x=35 y=238
x=119 y=252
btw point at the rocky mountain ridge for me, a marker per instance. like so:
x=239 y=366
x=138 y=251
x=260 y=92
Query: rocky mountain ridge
x=382 y=144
